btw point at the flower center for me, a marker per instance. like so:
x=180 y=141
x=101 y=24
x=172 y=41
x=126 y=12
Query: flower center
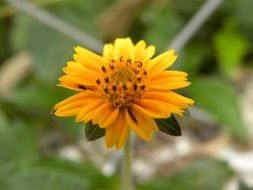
x=122 y=81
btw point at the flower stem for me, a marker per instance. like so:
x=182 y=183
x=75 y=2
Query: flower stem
x=127 y=183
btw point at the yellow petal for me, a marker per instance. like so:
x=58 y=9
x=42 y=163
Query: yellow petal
x=102 y=113
x=77 y=70
x=82 y=74
x=156 y=108
x=88 y=63
x=91 y=107
x=89 y=59
x=170 y=85
x=113 y=132
x=108 y=51
x=110 y=119
x=75 y=80
x=123 y=47
x=89 y=116
x=70 y=86
x=77 y=97
x=150 y=121
x=149 y=52
x=72 y=105
x=80 y=71
x=86 y=53
x=166 y=76
x=167 y=80
x=139 y=50
x=77 y=87
x=170 y=98
x=142 y=53
x=105 y=115
x=162 y=61
x=140 y=123
x=123 y=134
x=67 y=113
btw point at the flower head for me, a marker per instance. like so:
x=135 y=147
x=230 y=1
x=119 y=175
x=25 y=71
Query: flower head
x=125 y=89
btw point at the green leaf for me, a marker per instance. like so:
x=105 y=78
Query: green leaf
x=169 y=126
x=159 y=34
x=83 y=169
x=43 y=178
x=22 y=168
x=57 y=174
x=3 y=120
x=204 y=174
x=17 y=144
x=93 y=132
x=243 y=186
x=240 y=11
x=230 y=47
x=218 y=97
x=175 y=13
x=193 y=56
x=37 y=95
x=51 y=49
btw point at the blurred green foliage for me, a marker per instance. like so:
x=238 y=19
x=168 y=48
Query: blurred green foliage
x=212 y=58
x=242 y=186
x=23 y=168
x=204 y=174
x=230 y=47
x=219 y=98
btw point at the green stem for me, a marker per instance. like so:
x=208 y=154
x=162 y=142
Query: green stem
x=127 y=183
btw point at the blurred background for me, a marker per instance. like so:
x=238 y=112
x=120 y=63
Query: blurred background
x=214 y=41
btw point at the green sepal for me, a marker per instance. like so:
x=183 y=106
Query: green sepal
x=93 y=132
x=169 y=126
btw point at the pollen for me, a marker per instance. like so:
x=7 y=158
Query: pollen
x=122 y=81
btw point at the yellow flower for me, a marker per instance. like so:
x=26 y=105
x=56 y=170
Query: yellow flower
x=125 y=89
